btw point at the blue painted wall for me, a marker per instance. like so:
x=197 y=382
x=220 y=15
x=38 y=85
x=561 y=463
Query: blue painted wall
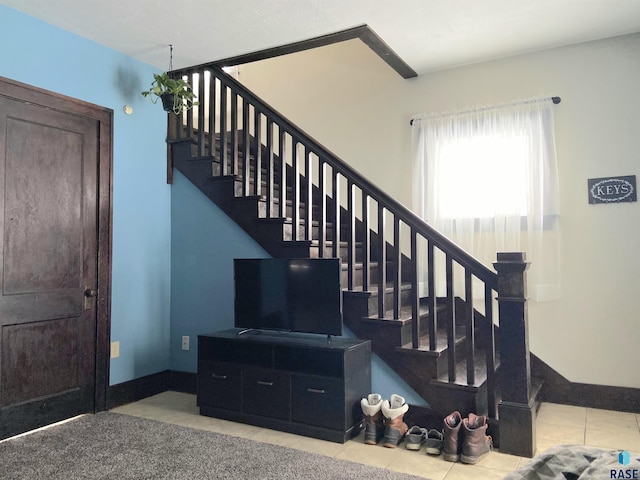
x=47 y=57
x=204 y=242
x=172 y=247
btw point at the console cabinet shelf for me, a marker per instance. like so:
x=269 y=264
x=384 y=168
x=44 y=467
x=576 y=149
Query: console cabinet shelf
x=305 y=384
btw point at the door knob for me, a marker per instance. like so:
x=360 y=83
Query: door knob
x=90 y=293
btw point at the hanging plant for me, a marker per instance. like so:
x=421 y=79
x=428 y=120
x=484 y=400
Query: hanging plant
x=175 y=93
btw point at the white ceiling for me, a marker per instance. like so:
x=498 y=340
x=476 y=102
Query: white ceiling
x=427 y=34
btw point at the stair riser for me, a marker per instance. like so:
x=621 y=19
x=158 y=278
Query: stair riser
x=358 y=276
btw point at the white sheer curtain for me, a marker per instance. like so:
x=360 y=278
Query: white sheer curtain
x=487 y=179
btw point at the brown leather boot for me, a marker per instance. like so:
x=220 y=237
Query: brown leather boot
x=395 y=428
x=452 y=442
x=373 y=420
x=476 y=443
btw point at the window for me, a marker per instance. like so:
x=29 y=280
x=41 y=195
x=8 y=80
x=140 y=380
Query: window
x=487 y=179
x=490 y=170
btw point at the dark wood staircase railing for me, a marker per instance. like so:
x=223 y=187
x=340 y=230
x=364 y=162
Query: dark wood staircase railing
x=299 y=199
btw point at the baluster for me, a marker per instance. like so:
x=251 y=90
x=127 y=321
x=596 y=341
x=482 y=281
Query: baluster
x=223 y=124
x=322 y=207
x=308 y=211
x=246 y=159
x=470 y=328
x=257 y=152
x=336 y=212
x=397 y=268
x=211 y=125
x=382 y=263
x=432 y=300
x=295 y=194
x=351 y=242
x=201 y=115
x=490 y=349
x=451 y=323
x=415 y=291
x=233 y=138
x=189 y=113
x=366 y=242
x=282 y=206
x=270 y=169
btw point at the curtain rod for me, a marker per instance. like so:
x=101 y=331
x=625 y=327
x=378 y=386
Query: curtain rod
x=555 y=100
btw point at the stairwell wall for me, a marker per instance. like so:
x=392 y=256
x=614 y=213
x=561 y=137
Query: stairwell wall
x=353 y=103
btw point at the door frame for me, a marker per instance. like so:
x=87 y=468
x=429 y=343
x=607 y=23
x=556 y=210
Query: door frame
x=104 y=116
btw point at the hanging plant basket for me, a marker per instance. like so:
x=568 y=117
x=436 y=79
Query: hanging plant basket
x=167 y=101
x=176 y=94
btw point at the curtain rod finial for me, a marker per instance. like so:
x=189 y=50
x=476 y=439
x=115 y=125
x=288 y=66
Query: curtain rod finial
x=556 y=100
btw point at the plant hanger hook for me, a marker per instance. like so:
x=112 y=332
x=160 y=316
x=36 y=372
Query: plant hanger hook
x=170 y=57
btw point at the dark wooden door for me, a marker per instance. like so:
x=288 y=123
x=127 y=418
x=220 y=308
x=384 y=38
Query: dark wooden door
x=49 y=166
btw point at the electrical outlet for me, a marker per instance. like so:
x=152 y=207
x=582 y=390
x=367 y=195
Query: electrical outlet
x=115 y=349
x=185 y=342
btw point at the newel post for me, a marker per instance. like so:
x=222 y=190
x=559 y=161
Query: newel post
x=516 y=411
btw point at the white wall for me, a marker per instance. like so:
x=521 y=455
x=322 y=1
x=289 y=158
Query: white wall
x=351 y=101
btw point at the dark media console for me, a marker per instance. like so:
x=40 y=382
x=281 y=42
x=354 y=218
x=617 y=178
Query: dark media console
x=305 y=384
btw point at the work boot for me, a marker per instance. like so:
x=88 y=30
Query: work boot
x=373 y=420
x=452 y=442
x=476 y=443
x=393 y=411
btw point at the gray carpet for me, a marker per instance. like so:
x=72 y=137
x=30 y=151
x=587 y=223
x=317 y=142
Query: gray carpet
x=115 y=446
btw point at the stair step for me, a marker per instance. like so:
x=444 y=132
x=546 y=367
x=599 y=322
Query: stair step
x=441 y=342
x=480 y=371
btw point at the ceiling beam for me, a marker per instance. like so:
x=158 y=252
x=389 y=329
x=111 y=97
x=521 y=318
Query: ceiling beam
x=363 y=32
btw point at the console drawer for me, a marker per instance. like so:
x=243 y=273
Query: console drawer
x=220 y=385
x=266 y=393
x=318 y=401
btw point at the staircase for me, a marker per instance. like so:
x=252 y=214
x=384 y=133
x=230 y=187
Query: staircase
x=426 y=305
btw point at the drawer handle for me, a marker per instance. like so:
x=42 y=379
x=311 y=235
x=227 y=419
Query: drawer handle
x=221 y=377
x=315 y=390
x=266 y=384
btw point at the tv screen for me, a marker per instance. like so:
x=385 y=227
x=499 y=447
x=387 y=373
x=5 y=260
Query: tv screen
x=298 y=295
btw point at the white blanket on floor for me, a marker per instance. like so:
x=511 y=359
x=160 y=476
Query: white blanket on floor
x=578 y=462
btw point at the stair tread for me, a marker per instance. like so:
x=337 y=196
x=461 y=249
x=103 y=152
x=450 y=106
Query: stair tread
x=405 y=312
x=441 y=342
x=480 y=371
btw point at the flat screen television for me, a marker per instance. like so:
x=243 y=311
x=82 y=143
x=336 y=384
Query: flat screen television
x=296 y=295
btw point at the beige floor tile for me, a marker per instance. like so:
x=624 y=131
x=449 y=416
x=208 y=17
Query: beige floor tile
x=614 y=437
x=565 y=415
x=420 y=464
x=523 y=461
x=276 y=437
x=557 y=424
x=499 y=461
x=609 y=418
x=375 y=455
x=460 y=471
x=549 y=435
x=321 y=447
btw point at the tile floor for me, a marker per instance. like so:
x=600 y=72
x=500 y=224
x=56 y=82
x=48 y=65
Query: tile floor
x=557 y=424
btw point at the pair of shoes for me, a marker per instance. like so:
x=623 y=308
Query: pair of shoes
x=373 y=421
x=384 y=419
x=465 y=439
x=416 y=436
x=434 y=442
